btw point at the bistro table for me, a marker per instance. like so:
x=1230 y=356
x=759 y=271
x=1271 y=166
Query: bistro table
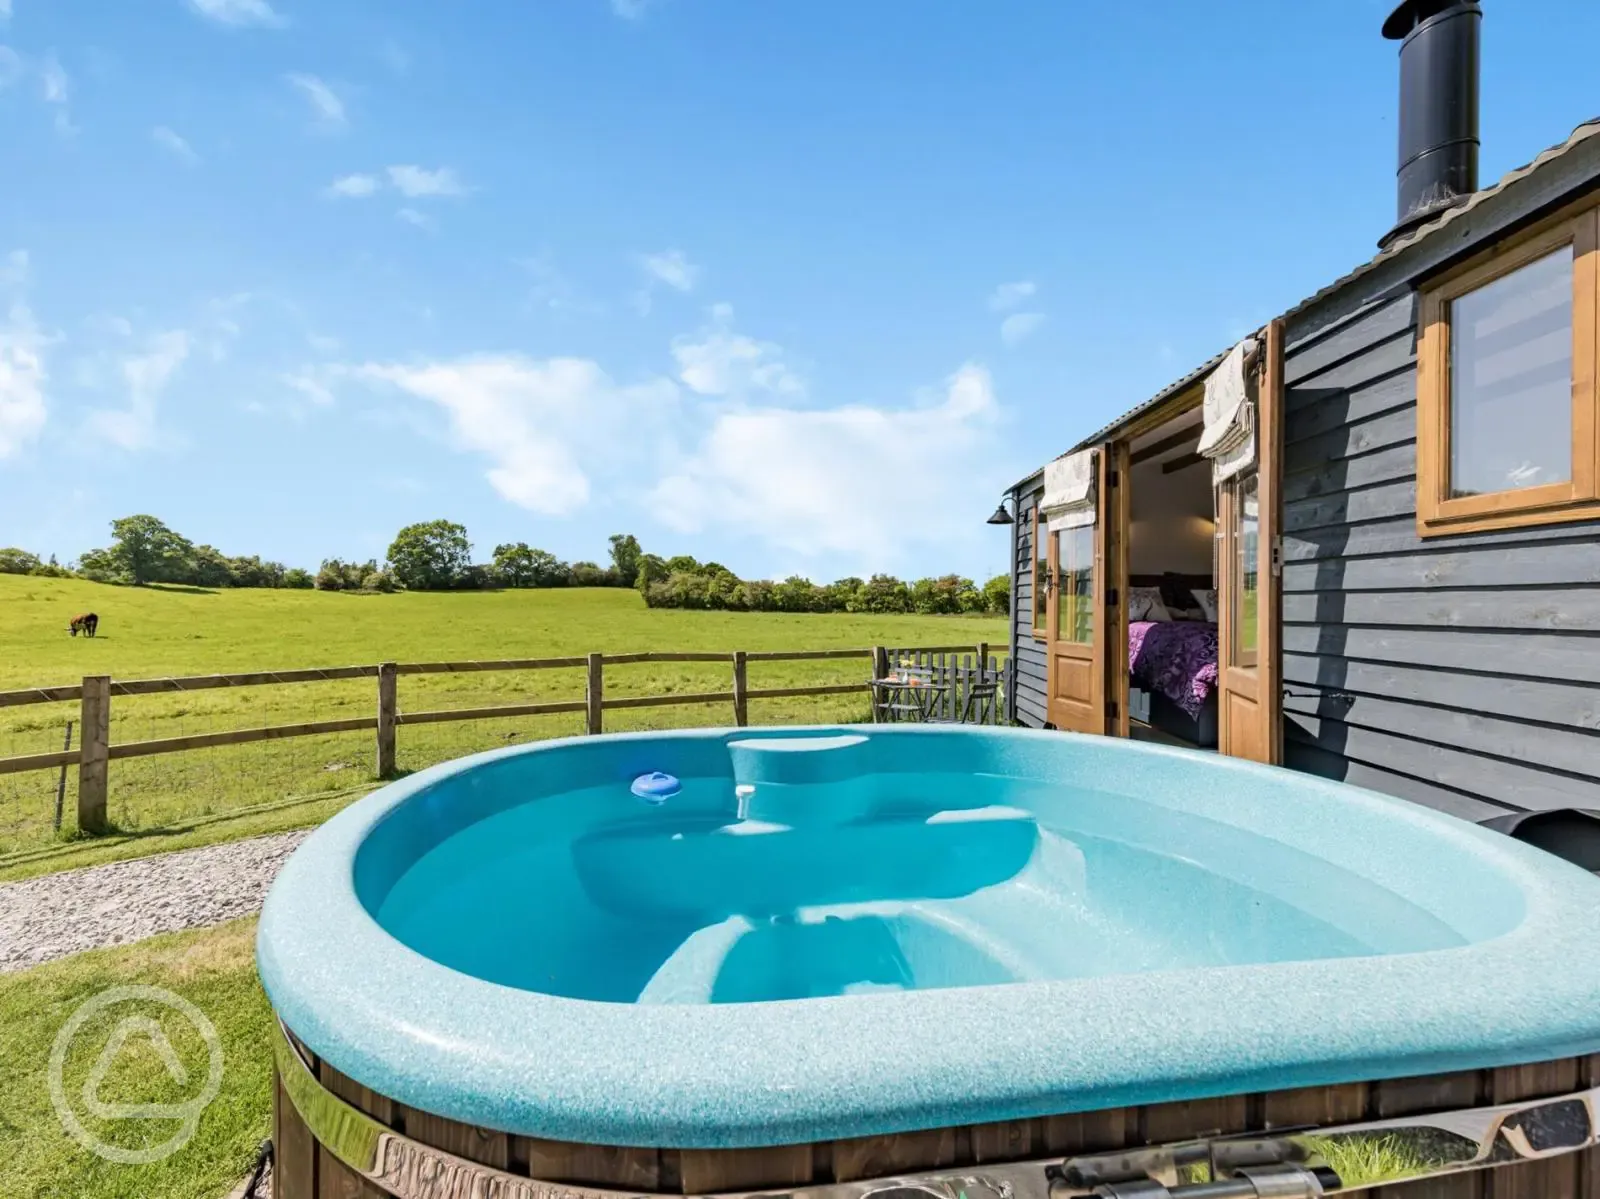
x=905 y=696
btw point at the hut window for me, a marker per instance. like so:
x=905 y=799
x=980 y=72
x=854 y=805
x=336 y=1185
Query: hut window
x=1508 y=402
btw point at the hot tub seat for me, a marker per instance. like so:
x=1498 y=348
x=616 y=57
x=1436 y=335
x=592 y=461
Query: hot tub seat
x=1449 y=948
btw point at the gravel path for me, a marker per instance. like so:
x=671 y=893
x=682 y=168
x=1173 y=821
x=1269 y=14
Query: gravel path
x=60 y=914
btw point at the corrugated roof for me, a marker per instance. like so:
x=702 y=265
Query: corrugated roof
x=1424 y=231
x=1418 y=235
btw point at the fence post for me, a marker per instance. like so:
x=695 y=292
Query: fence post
x=94 y=743
x=61 y=779
x=388 y=709
x=880 y=670
x=741 y=704
x=595 y=692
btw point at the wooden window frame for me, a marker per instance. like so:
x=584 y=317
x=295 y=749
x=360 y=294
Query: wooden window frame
x=1440 y=514
x=1040 y=628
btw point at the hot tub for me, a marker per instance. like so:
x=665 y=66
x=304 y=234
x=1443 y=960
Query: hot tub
x=988 y=963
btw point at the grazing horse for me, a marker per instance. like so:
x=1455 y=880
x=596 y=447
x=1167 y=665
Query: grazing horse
x=88 y=622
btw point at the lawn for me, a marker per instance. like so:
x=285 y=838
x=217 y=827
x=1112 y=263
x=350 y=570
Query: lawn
x=215 y=971
x=202 y=796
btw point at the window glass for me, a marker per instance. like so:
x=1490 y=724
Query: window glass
x=1247 y=577
x=1511 y=380
x=1075 y=603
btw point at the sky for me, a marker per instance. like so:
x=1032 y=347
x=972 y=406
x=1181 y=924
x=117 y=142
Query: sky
x=799 y=287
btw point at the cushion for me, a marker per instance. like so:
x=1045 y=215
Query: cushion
x=1207 y=599
x=1144 y=603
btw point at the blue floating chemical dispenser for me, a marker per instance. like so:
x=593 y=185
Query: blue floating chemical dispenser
x=656 y=787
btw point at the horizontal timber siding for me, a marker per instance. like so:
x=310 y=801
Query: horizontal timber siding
x=1460 y=672
x=1029 y=656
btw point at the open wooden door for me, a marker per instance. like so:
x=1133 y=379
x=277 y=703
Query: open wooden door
x=1077 y=628
x=1249 y=669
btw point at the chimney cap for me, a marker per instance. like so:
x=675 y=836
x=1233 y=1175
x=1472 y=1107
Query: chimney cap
x=1412 y=13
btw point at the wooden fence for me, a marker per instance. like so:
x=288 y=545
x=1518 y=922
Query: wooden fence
x=954 y=667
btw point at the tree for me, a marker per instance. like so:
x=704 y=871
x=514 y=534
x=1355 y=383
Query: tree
x=884 y=593
x=625 y=555
x=590 y=574
x=430 y=556
x=146 y=551
x=997 y=594
x=519 y=565
x=652 y=569
x=298 y=579
x=209 y=568
x=18 y=562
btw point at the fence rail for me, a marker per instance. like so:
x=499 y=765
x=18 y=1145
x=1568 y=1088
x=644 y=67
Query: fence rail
x=95 y=750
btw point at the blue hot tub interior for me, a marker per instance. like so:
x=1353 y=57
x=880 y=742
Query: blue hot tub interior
x=829 y=862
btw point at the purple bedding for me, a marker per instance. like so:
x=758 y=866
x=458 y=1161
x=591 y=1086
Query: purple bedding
x=1177 y=658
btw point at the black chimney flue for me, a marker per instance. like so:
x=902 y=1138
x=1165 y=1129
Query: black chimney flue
x=1438 y=107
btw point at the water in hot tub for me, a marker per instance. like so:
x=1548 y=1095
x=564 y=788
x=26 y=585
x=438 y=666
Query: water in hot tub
x=593 y=896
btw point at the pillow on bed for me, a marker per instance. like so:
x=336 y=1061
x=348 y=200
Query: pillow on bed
x=1208 y=604
x=1144 y=603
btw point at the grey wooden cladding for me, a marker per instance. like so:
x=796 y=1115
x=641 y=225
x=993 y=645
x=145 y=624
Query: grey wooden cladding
x=1308 y=757
x=1028 y=664
x=1571 y=657
x=1461 y=672
x=1540 y=700
x=1553 y=609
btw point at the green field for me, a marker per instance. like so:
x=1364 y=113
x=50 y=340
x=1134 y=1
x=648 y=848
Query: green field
x=199 y=796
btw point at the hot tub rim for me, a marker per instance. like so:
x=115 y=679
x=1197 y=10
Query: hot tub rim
x=422 y=1053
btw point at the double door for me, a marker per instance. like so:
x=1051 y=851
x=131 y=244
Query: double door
x=1082 y=576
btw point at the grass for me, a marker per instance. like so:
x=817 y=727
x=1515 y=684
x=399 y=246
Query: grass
x=212 y=969
x=200 y=797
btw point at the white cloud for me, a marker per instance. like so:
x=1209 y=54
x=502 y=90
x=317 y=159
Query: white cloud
x=1019 y=326
x=174 y=144
x=322 y=343
x=546 y=426
x=238 y=12
x=420 y=219
x=551 y=289
x=5 y=10
x=310 y=384
x=324 y=101
x=12 y=68
x=1010 y=295
x=145 y=376
x=354 y=186
x=719 y=362
x=810 y=481
x=23 y=407
x=673 y=268
x=55 y=89
x=412 y=181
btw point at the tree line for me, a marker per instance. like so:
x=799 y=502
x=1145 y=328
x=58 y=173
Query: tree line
x=437 y=556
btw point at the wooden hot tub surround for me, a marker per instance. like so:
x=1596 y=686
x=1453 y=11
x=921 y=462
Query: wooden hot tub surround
x=1517 y=1132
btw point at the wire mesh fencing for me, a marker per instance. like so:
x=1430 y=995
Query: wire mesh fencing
x=179 y=753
